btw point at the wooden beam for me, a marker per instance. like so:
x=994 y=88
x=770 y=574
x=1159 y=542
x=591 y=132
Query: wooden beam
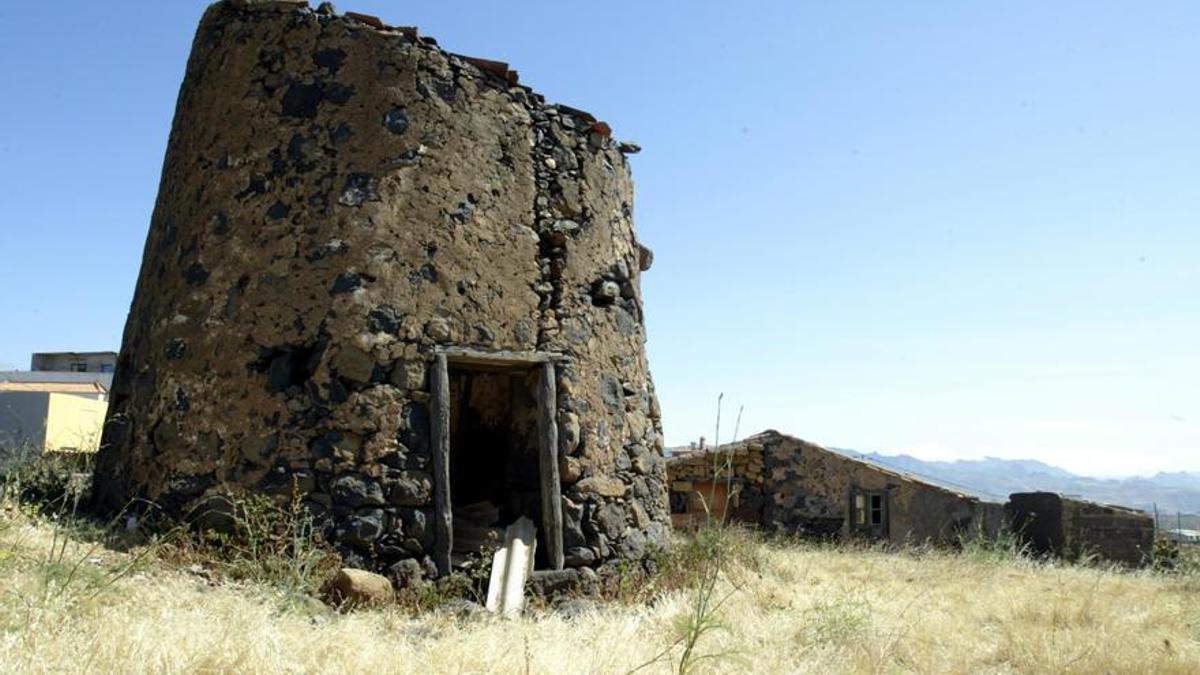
x=439 y=386
x=468 y=356
x=511 y=567
x=552 y=524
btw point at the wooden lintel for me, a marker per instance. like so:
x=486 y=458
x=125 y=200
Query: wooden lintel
x=469 y=356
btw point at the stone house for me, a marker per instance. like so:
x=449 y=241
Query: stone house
x=398 y=283
x=784 y=484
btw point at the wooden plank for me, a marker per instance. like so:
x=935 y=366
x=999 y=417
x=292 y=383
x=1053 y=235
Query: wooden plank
x=495 y=67
x=468 y=356
x=552 y=524
x=439 y=386
x=511 y=566
x=373 y=21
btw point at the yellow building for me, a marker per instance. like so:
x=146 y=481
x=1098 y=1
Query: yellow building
x=52 y=410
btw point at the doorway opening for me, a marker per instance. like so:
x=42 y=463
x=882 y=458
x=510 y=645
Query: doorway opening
x=494 y=473
x=495 y=454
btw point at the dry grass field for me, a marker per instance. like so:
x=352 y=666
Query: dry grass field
x=66 y=606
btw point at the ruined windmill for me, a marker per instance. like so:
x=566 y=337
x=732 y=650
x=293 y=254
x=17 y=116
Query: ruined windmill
x=396 y=283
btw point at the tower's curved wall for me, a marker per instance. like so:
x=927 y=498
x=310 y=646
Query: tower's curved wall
x=337 y=201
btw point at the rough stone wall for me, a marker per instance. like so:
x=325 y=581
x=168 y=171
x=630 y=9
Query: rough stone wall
x=805 y=489
x=337 y=199
x=812 y=485
x=724 y=483
x=1070 y=528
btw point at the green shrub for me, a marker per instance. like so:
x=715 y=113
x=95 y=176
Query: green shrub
x=842 y=621
x=50 y=483
x=268 y=543
x=1003 y=548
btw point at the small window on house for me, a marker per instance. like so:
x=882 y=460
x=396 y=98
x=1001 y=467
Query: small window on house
x=79 y=366
x=869 y=516
x=106 y=367
x=876 y=509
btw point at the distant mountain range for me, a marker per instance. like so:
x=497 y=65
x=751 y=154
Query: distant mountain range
x=995 y=478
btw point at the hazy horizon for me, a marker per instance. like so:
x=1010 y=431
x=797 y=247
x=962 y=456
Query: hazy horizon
x=945 y=231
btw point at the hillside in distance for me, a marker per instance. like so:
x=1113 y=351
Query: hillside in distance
x=996 y=478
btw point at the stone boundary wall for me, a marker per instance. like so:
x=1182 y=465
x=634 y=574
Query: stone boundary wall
x=1053 y=524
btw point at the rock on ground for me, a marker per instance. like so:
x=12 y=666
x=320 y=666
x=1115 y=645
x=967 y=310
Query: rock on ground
x=354 y=588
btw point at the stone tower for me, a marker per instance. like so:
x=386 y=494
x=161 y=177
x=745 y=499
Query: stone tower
x=394 y=282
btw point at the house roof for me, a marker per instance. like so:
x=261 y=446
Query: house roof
x=99 y=353
x=770 y=434
x=55 y=381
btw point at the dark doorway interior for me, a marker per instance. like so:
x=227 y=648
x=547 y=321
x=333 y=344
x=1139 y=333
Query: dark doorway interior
x=1037 y=517
x=494 y=470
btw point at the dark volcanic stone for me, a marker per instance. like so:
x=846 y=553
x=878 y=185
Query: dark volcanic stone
x=579 y=556
x=572 y=524
x=356 y=490
x=610 y=519
x=359 y=188
x=552 y=582
x=363 y=528
x=195 y=274
x=396 y=121
x=346 y=282
x=415 y=431
x=279 y=374
x=257 y=448
x=336 y=92
x=417 y=525
x=176 y=349
x=301 y=100
x=412 y=488
x=340 y=134
x=407 y=573
x=384 y=319
x=329 y=59
x=278 y=210
x=633 y=546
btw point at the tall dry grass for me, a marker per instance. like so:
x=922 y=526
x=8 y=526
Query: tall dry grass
x=797 y=609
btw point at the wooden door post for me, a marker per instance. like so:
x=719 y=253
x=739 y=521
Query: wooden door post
x=552 y=523
x=439 y=385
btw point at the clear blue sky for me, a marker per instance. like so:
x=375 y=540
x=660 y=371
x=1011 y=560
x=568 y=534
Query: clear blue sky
x=950 y=229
